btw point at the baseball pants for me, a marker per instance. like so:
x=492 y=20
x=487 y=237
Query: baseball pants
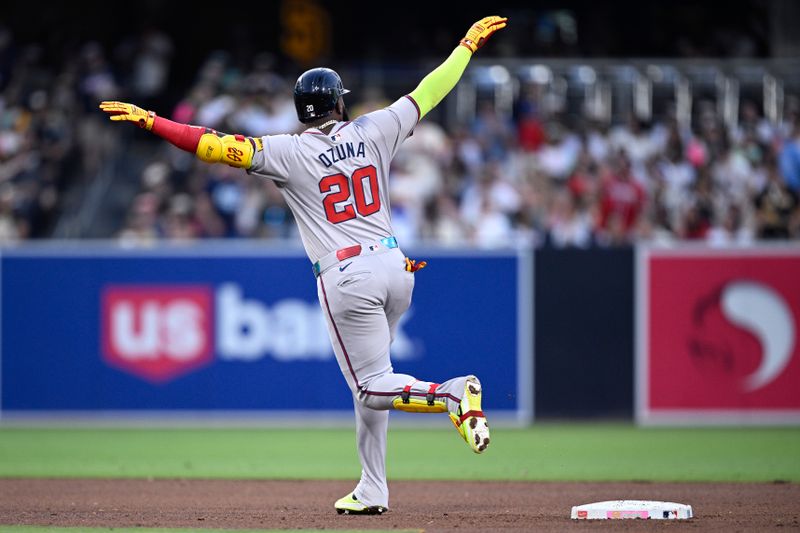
x=363 y=298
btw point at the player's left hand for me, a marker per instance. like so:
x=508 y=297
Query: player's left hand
x=481 y=31
x=130 y=113
x=413 y=266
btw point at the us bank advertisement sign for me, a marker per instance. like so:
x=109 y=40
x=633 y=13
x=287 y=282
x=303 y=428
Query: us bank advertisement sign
x=718 y=336
x=237 y=329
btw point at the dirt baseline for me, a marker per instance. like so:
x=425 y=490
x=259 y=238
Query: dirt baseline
x=428 y=505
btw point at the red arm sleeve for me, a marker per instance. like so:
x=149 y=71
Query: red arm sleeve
x=183 y=136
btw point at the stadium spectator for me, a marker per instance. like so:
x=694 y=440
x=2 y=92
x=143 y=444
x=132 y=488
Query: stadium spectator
x=622 y=200
x=567 y=225
x=790 y=157
x=777 y=208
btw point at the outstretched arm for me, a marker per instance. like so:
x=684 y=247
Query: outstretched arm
x=205 y=143
x=435 y=86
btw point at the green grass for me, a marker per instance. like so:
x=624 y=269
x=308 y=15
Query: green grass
x=590 y=452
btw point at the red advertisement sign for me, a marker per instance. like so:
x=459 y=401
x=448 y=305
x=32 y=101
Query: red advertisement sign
x=718 y=336
x=157 y=333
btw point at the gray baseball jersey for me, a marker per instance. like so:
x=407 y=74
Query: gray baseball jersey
x=336 y=185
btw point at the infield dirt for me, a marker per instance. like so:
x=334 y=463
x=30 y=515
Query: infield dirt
x=429 y=506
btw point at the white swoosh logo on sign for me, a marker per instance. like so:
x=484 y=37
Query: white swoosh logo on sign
x=762 y=311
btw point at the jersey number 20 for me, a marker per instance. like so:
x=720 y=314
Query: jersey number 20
x=363 y=178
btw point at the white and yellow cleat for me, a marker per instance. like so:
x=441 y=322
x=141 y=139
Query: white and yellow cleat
x=350 y=505
x=470 y=421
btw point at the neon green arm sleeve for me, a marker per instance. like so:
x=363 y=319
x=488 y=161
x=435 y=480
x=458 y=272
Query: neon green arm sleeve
x=441 y=80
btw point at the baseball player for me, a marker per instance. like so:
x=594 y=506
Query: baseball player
x=334 y=178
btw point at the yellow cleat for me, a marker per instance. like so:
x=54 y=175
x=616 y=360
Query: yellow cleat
x=350 y=505
x=470 y=421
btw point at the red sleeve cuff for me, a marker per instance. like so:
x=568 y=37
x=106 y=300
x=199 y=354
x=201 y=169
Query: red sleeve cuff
x=416 y=106
x=183 y=136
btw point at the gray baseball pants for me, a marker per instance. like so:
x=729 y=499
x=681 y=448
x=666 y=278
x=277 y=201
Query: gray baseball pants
x=363 y=298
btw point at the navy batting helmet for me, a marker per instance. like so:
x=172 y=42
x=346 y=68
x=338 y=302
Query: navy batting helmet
x=316 y=93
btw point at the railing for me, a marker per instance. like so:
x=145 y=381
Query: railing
x=611 y=90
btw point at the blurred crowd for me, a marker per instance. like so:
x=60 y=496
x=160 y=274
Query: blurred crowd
x=52 y=140
x=530 y=178
x=526 y=179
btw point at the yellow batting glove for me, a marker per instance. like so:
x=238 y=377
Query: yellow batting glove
x=130 y=113
x=481 y=31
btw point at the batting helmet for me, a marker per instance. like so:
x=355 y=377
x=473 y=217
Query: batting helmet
x=316 y=93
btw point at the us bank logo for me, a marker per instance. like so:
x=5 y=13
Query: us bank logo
x=157 y=333
x=161 y=332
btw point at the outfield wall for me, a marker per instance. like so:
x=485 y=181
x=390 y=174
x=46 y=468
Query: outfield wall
x=233 y=331
x=584 y=333
x=228 y=330
x=677 y=335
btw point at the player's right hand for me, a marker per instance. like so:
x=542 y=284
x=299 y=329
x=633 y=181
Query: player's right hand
x=481 y=31
x=130 y=113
